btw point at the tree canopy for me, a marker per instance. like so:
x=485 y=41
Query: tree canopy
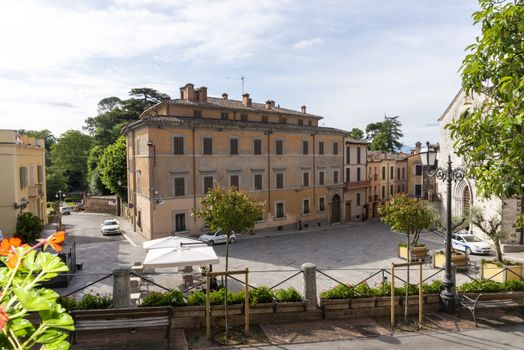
x=385 y=135
x=490 y=136
x=356 y=134
x=112 y=166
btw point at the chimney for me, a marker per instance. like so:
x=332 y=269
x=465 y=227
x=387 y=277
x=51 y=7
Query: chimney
x=224 y=96
x=303 y=109
x=246 y=101
x=417 y=147
x=268 y=104
x=187 y=92
x=202 y=94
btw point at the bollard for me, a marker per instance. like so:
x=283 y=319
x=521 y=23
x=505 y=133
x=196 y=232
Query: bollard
x=121 y=287
x=310 y=286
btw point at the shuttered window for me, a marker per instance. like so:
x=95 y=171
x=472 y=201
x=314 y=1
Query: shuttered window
x=180 y=186
x=178 y=142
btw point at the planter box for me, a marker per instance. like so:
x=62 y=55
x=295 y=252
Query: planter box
x=334 y=304
x=431 y=298
x=500 y=274
x=189 y=311
x=386 y=301
x=403 y=252
x=439 y=259
x=218 y=310
x=515 y=296
x=417 y=252
x=412 y=300
x=298 y=306
x=264 y=308
x=358 y=303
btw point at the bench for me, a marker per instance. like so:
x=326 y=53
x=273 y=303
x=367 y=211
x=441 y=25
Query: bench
x=490 y=300
x=127 y=318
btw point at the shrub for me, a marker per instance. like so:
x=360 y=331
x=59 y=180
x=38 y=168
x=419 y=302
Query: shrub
x=434 y=287
x=217 y=297
x=406 y=245
x=67 y=303
x=153 y=299
x=513 y=286
x=196 y=298
x=412 y=290
x=260 y=295
x=363 y=290
x=340 y=291
x=90 y=302
x=174 y=297
x=288 y=295
x=485 y=286
x=382 y=290
x=28 y=227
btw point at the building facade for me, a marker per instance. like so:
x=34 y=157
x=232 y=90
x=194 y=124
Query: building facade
x=22 y=174
x=181 y=148
x=357 y=183
x=420 y=185
x=464 y=193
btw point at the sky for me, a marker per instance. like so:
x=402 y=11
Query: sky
x=350 y=61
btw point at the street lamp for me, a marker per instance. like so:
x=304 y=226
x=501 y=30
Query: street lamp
x=428 y=156
x=60 y=196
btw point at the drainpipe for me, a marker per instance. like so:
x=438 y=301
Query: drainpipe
x=151 y=186
x=313 y=205
x=133 y=172
x=269 y=132
x=194 y=173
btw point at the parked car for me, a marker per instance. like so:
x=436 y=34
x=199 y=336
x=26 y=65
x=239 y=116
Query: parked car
x=217 y=237
x=66 y=210
x=469 y=243
x=110 y=227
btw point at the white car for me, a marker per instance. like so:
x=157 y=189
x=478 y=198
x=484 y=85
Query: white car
x=66 y=210
x=470 y=244
x=110 y=227
x=217 y=237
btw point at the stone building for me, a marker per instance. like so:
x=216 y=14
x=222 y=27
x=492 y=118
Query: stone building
x=464 y=193
x=182 y=147
x=22 y=175
x=388 y=176
x=356 y=180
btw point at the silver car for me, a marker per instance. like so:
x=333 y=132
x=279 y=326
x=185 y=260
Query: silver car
x=217 y=237
x=110 y=227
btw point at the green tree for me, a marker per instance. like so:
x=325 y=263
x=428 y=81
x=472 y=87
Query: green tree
x=229 y=210
x=490 y=135
x=491 y=226
x=94 y=181
x=28 y=227
x=113 y=168
x=69 y=155
x=385 y=135
x=356 y=134
x=410 y=216
x=55 y=181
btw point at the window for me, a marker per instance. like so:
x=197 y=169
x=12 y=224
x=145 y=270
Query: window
x=197 y=114
x=391 y=189
x=264 y=119
x=258 y=182
x=305 y=147
x=321 y=204
x=403 y=174
x=383 y=191
x=398 y=174
x=418 y=190
x=309 y=123
x=233 y=147
x=348 y=174
x=138 y=182
x=335 y=148
x=178 y=145
x=391 y=173
x=383 y=173
x=208 y=183
x=321 y=147
x=23 y=177
x=358 y=198
x=224 y=115
x=40 y=174
x=321 y=177
x=335 y=176
x=257 y=146
x=279 y=183
x=139 y=218
x=300 y=122
x=243 y=117
x=279 y=147
x=180 y=187
x=358 y=155
x=305 y=178
x=282 y=120
x=208 y=146
x=180 y=222
x=305 y=206
x=280 y=209
x=358 y=174
x=418 y=169
x=138 y=145
x=348 y=156
x=398 y=188
x=234 y=181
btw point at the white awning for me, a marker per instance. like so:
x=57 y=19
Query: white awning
x=170 y=242
x=182 y=256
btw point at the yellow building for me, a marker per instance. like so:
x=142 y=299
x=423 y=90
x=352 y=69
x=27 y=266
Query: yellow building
x=357 y=182
x=388 y=175
x=420 y=185
x=182 y=147
x=22 y=179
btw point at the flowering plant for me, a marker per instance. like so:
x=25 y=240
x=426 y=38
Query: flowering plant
x=22 y=296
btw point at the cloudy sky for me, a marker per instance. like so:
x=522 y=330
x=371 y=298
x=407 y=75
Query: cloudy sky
x=350 y=61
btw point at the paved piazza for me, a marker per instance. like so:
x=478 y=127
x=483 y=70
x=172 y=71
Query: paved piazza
x=347 y=252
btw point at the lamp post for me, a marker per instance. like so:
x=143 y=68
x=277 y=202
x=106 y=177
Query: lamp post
x=59 y=196
x=428 y=156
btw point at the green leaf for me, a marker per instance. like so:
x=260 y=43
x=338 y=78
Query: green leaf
x=51 y=336
x=51 y=263
x=21 y=327
x=36 y=300
x=59 y=345
x=54 y=319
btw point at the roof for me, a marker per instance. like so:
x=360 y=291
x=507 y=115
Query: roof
x=221 y=103
x=209 y=122
x=451 y=104
x=378 y=156
x=362 y=142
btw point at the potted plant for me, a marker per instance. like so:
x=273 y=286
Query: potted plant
x=457 y=258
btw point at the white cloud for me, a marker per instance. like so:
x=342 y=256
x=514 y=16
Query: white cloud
x=306 y=43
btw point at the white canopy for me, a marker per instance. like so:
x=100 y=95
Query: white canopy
x=182 y=256
x=169 y=242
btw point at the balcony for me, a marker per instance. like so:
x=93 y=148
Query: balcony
x=353 y=185
x=35 y=190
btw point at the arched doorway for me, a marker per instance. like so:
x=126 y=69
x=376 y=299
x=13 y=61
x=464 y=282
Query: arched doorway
x=335 y=209
x=466 y=201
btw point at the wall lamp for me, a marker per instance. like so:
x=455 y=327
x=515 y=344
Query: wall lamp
x=22 y=205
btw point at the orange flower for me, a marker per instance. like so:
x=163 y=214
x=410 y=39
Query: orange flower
x=7 y=244
x=12 y=260
x=3 y=318
x=56 y=240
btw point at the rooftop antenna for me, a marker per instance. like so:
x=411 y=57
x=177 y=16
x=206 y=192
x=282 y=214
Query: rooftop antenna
x=242 y=79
